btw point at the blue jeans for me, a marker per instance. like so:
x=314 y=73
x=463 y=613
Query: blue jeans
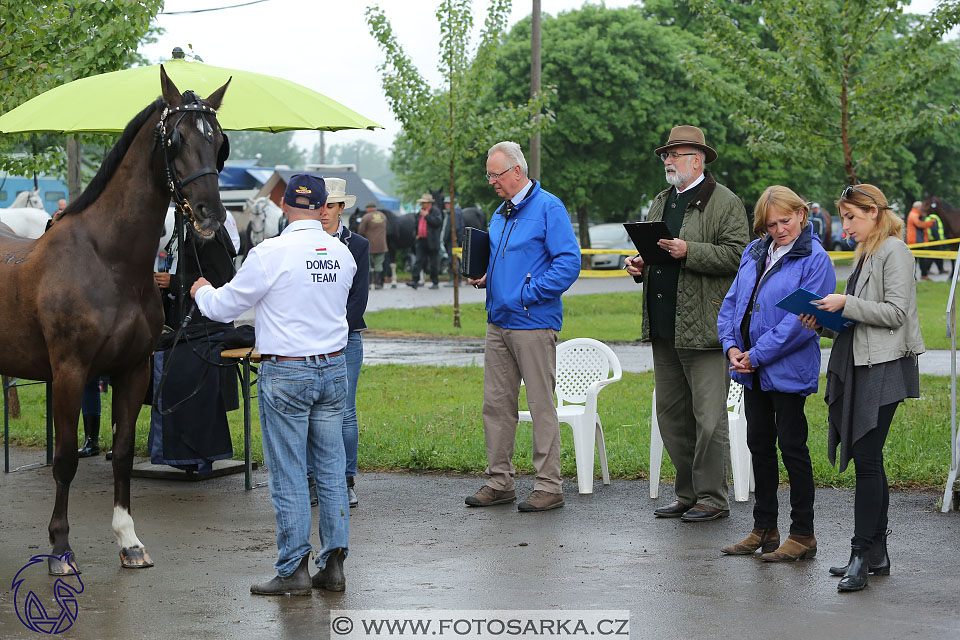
x=351 y=433
x=301 y=417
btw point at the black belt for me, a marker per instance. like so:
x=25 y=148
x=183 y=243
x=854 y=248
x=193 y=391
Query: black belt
x=270 y=356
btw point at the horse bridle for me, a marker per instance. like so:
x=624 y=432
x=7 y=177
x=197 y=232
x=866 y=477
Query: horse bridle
x=170 y=142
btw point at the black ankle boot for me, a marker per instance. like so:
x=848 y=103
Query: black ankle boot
x=91 y=429
x=879 y=560
x=855 y=579
x=352 y=499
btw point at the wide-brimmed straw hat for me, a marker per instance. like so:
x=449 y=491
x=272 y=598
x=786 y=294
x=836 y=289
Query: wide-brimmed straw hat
x=425 y=198
x=337 y=192
x=688 y=135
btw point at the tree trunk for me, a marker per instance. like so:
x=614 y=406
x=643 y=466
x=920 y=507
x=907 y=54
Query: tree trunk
x=586 y=261
x=845 y=134
x=13 y=402
x=454 y=270
x=534 y=171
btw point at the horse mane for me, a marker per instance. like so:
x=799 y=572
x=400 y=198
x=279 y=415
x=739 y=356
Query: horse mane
x=113 y=160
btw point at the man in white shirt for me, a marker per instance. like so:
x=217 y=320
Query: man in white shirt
x=298 y=283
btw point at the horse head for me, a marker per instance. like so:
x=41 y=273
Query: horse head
x=264 y=220
x=27 y=200
x=194 y=150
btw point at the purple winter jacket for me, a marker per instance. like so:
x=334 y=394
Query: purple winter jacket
x=786 y=355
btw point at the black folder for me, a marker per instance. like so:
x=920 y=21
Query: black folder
x=476 y=253
x=645 y=236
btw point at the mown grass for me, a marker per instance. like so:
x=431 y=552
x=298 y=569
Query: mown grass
x=429 y=418
x=614 y=317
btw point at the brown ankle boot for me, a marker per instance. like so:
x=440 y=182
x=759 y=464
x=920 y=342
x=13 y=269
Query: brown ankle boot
x=795 y=548
x=765 y=539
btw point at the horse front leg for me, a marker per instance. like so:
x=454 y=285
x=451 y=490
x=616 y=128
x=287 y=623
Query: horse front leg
x=128 y=393
x=68 y=381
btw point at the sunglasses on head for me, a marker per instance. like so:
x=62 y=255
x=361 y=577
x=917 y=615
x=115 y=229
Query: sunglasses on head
x=847 y=193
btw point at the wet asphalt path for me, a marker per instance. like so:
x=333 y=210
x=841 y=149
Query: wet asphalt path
x=414 y=545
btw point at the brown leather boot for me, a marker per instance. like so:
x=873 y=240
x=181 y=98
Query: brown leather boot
x=765 y=539
x=795 y=548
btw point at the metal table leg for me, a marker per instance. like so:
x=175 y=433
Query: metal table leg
x=247 y=472
x=6 y=427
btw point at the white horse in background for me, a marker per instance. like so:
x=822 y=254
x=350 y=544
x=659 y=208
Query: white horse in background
x=26 y=216
x=265 y=217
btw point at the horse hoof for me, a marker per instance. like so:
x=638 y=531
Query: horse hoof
x=63 y=565
x=135 y=558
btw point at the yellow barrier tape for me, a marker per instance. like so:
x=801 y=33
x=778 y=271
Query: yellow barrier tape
x=934 y=243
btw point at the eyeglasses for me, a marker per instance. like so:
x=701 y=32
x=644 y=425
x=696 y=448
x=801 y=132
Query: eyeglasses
x=673 y=155
x=848 y=192
x=496 y=176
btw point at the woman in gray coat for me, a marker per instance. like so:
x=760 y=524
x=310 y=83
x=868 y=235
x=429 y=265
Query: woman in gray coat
x=873 y=367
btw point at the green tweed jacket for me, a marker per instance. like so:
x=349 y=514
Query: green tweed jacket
x=716 y=231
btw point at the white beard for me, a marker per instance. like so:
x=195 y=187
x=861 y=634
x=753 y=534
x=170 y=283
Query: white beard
x=676 y=177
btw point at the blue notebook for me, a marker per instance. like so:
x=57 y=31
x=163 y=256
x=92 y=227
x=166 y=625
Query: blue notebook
x=799 y=302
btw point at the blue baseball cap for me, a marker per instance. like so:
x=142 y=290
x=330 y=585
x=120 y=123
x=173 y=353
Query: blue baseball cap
x=306 y=185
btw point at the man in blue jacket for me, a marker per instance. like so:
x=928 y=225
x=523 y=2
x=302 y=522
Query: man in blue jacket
x=534 y=258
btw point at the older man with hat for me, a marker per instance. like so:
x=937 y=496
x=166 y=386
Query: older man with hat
x=427 y=243
x=298 y=283
x=681 y=301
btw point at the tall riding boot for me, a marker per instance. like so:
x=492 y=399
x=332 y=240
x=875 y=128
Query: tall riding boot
x=878 y=558
x=855 y=579
x=91 y=432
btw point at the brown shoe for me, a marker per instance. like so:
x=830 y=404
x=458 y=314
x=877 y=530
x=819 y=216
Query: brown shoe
x=766 y=539
x=672 y=510
x=794 y=548
x=541 y=501
x=488 y=496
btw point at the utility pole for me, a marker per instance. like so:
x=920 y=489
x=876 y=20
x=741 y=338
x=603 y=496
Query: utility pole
x=535 y=86
x=323 y=151
x=74 y=180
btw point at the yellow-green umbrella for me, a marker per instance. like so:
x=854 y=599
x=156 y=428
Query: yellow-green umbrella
x=107 y=102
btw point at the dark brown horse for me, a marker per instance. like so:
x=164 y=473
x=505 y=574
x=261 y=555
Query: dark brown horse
x=948 y=213
x=80 y=301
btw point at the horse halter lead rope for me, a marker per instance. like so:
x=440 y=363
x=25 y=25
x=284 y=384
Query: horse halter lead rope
x=171 y=143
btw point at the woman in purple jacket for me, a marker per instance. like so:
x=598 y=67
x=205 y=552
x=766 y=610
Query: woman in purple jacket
x=777 y=361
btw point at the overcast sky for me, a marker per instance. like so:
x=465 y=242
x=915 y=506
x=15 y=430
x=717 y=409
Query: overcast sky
x=326 y=45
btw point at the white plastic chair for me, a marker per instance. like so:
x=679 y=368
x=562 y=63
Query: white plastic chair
x=584 y=367
x=740 y=459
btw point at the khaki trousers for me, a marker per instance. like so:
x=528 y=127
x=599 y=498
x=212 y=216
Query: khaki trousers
x=511 y=355
x=692 y=387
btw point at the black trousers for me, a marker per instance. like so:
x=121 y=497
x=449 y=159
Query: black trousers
x=872 y=495
x=427 y=258
x=774 y=417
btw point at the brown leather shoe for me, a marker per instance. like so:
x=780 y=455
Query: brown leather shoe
x=673 y=510
x=703 y=512
x=766 y=539
x=541 y=501
x=794 y=548
x=488 y=496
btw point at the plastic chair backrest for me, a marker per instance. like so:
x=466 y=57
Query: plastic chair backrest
x=735 y=398
x=580 y=363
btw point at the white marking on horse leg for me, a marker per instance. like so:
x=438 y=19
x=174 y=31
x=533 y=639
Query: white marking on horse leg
x=123 y=528
x=114 y=428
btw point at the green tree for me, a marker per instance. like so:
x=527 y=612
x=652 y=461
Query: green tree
x=45 y=44
x=444 y=125
x=271 y=148
x=620 y=89
x=840 y=90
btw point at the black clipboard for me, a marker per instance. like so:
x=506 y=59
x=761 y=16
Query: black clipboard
x=476 y=253
x=645 y=236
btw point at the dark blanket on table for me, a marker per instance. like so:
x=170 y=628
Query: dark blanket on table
x=195 y=397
